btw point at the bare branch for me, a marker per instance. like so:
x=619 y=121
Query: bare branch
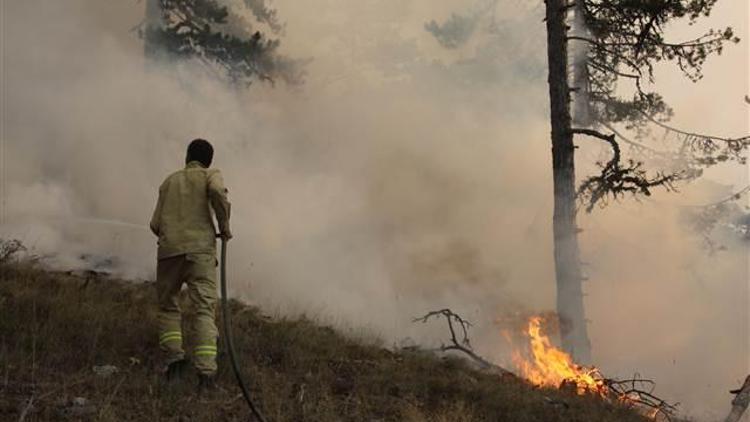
x=615 y=179
x=708 y=150
x=631 y=142
x=693 y=134
x=639 y=392
x=605 y=68
x=596 y=134
x=598 y=43
x=462 y=345
x=733 y=197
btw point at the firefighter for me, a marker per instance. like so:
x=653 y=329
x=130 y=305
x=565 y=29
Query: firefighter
x=184 y=223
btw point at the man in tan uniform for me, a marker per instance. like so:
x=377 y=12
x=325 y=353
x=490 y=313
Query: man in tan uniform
x=183 y=221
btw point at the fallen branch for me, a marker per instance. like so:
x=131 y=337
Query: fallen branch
x=464 y=344
x=639 y=392
x=740 y=402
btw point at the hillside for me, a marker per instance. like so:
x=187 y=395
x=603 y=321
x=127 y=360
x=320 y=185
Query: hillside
x=55 y=328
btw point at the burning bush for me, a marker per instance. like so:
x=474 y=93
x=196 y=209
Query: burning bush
x=545 y=365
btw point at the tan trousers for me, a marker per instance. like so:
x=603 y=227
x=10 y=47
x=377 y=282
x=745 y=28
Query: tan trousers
x=198 y=272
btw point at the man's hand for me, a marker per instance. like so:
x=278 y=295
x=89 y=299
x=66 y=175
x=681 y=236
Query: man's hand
x=225 y=236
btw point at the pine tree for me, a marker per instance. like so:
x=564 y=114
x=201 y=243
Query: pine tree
x=203 y=30
x=622 y=40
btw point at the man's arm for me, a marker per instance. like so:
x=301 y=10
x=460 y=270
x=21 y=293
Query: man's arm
x=155 y=223
x=217 y=195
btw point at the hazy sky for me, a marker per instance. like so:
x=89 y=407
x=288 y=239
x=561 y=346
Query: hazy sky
x=400 y=178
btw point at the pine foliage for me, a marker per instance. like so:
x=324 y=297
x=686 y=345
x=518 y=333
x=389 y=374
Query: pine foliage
x=199 y=29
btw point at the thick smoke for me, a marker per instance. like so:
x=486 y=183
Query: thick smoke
x=400 y=178
x=456 y=31
x=248 y=16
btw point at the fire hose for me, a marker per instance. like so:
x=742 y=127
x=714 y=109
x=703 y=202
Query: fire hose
x=228 y=334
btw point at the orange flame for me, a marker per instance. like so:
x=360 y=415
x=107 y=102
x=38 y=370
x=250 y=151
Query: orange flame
x=549 y=366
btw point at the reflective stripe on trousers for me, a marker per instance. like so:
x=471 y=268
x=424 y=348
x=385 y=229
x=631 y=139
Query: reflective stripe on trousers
x=207 y=350
x=170 y=336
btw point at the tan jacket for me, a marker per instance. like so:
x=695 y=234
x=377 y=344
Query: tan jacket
x=183 y=218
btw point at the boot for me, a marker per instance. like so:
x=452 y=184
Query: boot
x=176 y=370
x=207 y=384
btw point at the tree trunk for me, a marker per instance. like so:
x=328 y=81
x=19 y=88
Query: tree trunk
x=582 y=116
x=740 y=402
x=573 y=331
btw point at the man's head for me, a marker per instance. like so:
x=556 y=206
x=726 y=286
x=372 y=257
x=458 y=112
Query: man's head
x=200 y=150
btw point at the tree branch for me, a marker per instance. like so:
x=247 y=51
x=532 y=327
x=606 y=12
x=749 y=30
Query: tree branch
x=605 y=68
x=615 y=179
x=462 y=345
x=629 y=141
x=640 y=392
x=693 y=134
x=596 y=134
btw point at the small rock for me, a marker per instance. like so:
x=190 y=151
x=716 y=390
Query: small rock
x=106 y=370
x=79 y=406
x=79 y=401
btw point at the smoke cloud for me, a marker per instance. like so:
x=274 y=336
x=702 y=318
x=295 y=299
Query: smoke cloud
x=402 y=177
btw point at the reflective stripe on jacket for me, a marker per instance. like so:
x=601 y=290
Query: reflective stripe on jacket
x=183 y=218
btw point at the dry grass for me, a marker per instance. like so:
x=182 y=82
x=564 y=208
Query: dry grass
x=55 y=327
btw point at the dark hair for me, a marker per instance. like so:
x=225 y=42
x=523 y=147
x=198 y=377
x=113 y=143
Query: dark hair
x=200 y=150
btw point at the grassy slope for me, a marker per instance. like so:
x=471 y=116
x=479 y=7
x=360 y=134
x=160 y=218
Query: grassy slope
x=55 y=327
